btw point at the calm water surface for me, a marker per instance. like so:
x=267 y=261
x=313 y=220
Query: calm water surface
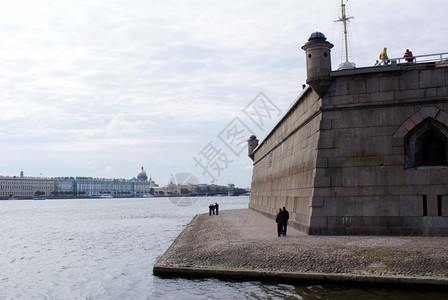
x=106 y=248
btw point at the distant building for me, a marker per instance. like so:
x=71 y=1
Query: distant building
x=25 y=187
x=65 y=186
x=103 y=186
x=361 y=151
x=159 y=190
x=141 y=188
x=87 y=186
x=172 y=189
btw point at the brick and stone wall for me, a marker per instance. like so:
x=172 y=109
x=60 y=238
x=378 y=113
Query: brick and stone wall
x=284 y=163
x=362 y=185
x=339 y=162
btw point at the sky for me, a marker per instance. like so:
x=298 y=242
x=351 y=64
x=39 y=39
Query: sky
x=101 y=88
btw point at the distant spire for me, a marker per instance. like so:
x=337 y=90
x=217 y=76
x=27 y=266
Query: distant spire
x=344 y=19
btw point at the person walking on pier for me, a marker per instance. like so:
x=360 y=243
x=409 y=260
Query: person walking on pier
x=278 y=220
x=285 y=218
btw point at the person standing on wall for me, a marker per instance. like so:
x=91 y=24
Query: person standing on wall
x=384 y=59
x=408 y=56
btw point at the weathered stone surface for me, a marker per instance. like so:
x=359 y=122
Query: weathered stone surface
x=372 y=85
x=411 y=206
x=243 y=245
x=432 y=78
x=389 y=206
x=428 y=112
x=409 y=80
x=444 y=204
x=432 y=205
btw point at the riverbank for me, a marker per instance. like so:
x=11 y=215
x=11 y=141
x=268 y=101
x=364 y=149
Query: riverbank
x=243 y=244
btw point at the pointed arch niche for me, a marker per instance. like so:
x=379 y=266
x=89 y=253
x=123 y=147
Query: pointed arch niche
x=427 y=145
x=425 y=137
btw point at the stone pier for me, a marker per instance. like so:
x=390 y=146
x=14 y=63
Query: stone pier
x=243 y=245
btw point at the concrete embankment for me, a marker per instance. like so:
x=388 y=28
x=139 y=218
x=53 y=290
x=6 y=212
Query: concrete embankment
x=243 y=244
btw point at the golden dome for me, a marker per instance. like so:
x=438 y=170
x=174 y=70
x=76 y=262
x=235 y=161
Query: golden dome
x=142 y=175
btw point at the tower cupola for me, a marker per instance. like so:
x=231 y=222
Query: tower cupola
x=252 y=143
x=318 y=62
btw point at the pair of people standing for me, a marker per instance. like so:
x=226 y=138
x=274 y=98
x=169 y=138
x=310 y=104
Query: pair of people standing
x=282 y=221
x=384 y=59
x=212 y=208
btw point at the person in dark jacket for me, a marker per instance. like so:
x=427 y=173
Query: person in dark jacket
x=285 y=218
x=278 y=220
x=217 y=208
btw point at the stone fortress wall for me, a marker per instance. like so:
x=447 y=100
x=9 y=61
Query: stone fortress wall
x=284 y=167
x=362 y=151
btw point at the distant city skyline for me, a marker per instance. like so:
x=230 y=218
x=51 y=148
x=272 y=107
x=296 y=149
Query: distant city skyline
x=100 y=88
x=66 y=187
x=22 y=172
x=137 y=176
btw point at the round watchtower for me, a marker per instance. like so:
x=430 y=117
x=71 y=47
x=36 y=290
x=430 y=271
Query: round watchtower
x=252 y=143
x=318 y=62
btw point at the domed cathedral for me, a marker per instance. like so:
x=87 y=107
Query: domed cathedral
x=142 y=175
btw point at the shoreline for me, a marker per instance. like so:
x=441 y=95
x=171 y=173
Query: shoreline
x=243 y=245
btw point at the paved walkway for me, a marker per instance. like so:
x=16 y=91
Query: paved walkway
x=243 y=244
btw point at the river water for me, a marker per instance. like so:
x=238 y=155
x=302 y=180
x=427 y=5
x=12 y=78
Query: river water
x=106 y=249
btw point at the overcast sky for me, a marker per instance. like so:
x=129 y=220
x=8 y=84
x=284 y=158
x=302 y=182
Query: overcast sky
x=101 y=88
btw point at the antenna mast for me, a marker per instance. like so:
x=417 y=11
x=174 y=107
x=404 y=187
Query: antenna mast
x=344 y=19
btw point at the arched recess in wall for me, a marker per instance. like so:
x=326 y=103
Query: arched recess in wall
x=427 y=144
